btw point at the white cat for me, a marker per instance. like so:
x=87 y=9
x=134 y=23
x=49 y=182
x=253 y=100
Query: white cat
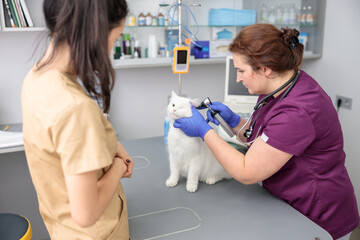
x=189 y=156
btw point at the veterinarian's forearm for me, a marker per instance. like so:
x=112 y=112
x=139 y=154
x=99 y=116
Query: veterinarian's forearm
x=232 y=160
x=242 y=127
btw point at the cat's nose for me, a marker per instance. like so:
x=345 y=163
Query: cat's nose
x=174 y=110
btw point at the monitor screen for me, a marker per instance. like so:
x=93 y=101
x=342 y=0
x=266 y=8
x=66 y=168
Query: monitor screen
x=182 y=56
x=235 y=91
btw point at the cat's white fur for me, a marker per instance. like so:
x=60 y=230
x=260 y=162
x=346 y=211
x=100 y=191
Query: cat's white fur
x=189 y=156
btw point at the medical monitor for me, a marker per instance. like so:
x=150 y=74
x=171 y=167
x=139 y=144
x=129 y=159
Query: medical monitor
x=236 y=92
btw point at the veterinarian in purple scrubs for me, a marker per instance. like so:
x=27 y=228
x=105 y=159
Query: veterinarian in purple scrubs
x=295 y=137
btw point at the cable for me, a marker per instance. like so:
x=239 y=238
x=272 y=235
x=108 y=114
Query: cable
x=186 y=27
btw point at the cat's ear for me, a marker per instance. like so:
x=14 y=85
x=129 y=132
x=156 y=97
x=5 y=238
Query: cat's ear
x=196 y=102
x=173 y=94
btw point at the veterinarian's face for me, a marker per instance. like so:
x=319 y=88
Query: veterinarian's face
x=254 y=81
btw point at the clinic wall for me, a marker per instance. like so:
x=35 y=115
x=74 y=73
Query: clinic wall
x=337 y=72
x=140 y=98
x=16 y=59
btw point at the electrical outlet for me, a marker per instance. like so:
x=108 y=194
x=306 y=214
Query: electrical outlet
x=345 y=102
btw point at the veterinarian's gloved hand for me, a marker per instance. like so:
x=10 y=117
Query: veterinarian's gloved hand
x=229 y=116
x=194 y=126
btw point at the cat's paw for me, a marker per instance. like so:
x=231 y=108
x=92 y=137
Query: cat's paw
x=191 y=187
x=171 y=182
x=212 y=180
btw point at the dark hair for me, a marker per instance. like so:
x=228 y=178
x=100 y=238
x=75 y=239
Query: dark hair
x=265 y=45
x=85 y=25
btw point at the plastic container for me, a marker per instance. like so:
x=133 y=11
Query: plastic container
x=166 y=128
x=303 y=38
x=231 y=17
x=152 y=47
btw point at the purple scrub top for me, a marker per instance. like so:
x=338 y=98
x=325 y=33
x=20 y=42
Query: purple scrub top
x=314 y=181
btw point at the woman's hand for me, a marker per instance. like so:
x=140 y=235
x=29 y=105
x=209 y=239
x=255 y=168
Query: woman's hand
x=194 y=126
x=229 y=116
x=120 y=165
x=122 y=154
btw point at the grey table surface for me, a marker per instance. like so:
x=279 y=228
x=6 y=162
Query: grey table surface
x=226 y=210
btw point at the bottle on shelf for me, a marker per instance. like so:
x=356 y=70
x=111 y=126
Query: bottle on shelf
x=141 y=19
x=127 y=48
x=286 y=14
x=137 y=49
x=302 y=17
x=279 y=17
x=272 y=17
x=126 y=43
x=152 y=47
x=162 y=50
x=131 y=20
x=117 y=50
x=292 y=14
x=309 y=18
x=148 y=19
x=154 y=21
x=264 y=15
x=132 y=46
x=298 y=15
x=161 y=19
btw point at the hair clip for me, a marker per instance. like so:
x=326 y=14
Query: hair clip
x=294 y=41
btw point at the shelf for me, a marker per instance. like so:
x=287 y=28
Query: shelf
x=205 y=26
x=150 y=26
x=159 y=62
x=311 y=55
x=24 y=29
x=166 y=62
x=40 y=29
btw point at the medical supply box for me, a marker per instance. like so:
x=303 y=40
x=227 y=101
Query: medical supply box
x=200 y=49
x=219 y=48
x=231 y=17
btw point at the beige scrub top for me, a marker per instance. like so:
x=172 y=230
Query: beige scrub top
x=65 y=133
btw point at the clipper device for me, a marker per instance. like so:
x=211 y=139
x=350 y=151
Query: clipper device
x=206 y=103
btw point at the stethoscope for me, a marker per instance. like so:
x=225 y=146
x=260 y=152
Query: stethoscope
x=249 y=132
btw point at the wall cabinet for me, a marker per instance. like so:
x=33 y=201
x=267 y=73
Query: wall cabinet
x=206 y=31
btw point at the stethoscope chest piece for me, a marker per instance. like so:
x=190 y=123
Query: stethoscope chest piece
x=248 y=133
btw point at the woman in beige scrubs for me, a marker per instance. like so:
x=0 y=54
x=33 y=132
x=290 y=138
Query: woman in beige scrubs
x=75 y=161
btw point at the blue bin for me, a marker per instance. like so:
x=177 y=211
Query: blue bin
x=231 y=17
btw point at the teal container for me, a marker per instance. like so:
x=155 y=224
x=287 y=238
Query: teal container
x=166 y=129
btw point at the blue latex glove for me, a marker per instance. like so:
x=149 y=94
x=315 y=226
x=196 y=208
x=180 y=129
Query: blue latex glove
x=194 y=126
x=229 y=116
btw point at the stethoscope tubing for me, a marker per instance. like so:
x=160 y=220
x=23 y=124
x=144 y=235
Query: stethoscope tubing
x=262 y=102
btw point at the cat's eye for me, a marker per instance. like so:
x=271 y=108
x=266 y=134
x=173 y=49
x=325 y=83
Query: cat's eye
x=173 y=104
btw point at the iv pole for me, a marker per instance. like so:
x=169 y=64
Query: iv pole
x=179 y=27
x=180 y=42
